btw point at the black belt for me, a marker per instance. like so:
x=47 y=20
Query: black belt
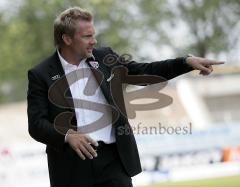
x=102 y=145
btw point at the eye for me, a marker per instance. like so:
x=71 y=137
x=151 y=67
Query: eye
x=88 y=36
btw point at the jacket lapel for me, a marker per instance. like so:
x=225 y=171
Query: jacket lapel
x=56 y=70
x=101 y=74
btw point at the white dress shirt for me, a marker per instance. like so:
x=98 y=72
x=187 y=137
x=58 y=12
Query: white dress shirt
x=85 y=116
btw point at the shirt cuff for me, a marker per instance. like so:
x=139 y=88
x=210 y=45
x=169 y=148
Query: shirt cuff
x=65 y=139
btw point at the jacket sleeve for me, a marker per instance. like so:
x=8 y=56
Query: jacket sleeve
x=39 y=126
x=167 y=68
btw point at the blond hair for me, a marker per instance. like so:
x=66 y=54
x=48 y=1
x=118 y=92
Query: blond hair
x=66 y=21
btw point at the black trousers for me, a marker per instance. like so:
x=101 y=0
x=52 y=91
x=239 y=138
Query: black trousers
x=105 y=170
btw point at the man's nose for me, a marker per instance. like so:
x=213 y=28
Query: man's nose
x=93 y=41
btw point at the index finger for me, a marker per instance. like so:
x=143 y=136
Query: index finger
x=214 y=62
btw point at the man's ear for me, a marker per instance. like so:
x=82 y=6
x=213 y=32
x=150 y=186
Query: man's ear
x=67 y=39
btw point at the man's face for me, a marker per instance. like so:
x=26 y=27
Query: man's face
x=83 y=39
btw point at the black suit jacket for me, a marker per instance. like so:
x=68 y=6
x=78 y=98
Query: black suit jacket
x=42 y=112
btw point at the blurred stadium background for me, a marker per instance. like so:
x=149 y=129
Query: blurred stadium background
x=206 y=154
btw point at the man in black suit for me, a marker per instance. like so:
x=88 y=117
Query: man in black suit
x=58 y=110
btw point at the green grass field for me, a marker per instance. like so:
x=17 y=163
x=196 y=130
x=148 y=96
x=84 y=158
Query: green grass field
x=216 y=182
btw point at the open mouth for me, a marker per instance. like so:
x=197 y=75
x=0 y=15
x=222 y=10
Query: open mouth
x=89 y=50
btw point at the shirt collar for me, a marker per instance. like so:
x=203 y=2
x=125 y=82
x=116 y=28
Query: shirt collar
x=65 y=64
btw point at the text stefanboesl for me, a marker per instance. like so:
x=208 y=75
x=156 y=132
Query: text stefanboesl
x=141 y=129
